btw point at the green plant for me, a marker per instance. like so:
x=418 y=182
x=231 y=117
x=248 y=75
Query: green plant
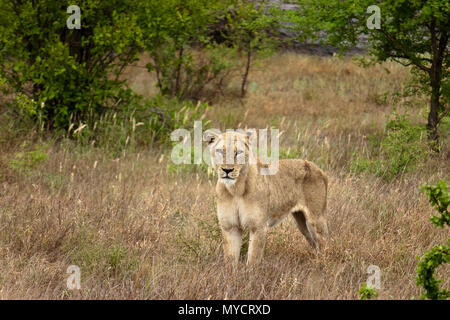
x=401 y=149
x=438 y=197
x=167 y=114
x=119 y=260
x=26 y=161
x=403 y=146
x=69 y=74
x=412 y=33
x=251 y=29
x=142 y=123
x=179 y=40
x=182 y=168
x=188 y=169
x=367 y=293
x=288 y=153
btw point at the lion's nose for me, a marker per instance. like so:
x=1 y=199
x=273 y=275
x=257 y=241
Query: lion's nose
x=227 y=171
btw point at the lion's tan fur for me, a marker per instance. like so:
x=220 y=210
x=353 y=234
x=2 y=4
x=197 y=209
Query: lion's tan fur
x=256 y=201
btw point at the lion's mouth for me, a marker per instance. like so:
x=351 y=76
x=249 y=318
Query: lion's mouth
x=227 y=180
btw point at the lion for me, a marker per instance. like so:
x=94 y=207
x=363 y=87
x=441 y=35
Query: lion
x=247 y=199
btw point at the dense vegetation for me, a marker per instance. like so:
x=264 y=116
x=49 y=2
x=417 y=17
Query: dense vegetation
x=59 y=76
x=412 y=33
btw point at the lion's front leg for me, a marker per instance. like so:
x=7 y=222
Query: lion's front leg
x=256 y=245
x=231 y=231
x=232 y=241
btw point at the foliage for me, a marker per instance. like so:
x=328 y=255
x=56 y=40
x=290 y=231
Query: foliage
x=145 y=122
x=195 y=43
x=367 y=292
x=440 y=200
x=178 y=39
x=402 y=149
x=73 y=72
x=25 y=161
x=184 y=169
x=68 y=80
x=412 y=33
x=438 y=255
x=252 y=28
x=429 y=262
x=289 y=153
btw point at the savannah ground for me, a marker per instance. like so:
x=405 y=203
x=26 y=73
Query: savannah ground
x=140 y=227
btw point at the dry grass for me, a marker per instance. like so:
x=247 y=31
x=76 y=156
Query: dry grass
x=140 y=232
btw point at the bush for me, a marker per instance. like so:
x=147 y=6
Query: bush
x=184 y=169
x=367 y=293
x=253 y=28
x=66 y=79
x=179 y=40
x=142 y=123
x=70 y=73
x=402 y=149
x=193 y=43
x=26 y=161
x=432 y=259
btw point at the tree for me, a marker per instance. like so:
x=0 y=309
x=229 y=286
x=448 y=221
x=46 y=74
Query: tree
x=68 y=74
x=413 y=33
x=438 y=197
x=251 y=28
x=174 y=31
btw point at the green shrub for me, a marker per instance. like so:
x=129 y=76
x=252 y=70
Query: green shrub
x=143 y=123
x=367 y=293
x=69 y=74
x=428 y=263
x=178 y=38
x=67 y=80
x=289 y=153
x=197 y=43
x=439 y=198
x=26 y=161
x=182 y=168
x=252 y=28
x=403 y=148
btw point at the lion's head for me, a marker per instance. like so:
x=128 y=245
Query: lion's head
x=230 y=155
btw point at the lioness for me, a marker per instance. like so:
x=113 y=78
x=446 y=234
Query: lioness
x=248 y=199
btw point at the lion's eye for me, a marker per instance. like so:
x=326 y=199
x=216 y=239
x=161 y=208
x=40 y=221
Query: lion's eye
x=219 y=151
x=239 y=152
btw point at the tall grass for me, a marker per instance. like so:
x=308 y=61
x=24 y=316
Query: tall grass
x=141 y=230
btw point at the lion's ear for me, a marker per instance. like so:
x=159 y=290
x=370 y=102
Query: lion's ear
x=250 y=133
x=210 y=136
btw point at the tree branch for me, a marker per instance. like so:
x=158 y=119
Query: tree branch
x=414 y=60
